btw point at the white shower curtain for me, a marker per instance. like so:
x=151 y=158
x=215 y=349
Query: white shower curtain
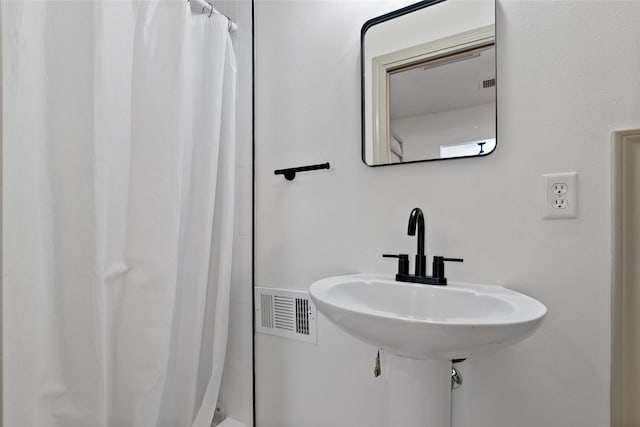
x=118 y=200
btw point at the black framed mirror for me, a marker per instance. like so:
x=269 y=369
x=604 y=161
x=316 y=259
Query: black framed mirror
x=428 y=83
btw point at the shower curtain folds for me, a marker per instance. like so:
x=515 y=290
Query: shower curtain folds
x=118 y=201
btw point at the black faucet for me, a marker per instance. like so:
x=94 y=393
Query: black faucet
x=417 y=218
x=416 y=223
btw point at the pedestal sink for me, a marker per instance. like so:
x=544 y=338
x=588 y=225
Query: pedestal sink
x=426 y=327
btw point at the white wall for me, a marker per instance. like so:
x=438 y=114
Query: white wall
x=567 y=76
x=237 y=385
x=422 y=136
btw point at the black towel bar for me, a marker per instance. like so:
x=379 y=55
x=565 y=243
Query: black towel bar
x=290 y=173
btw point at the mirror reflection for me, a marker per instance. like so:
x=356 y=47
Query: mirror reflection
x=429 y=92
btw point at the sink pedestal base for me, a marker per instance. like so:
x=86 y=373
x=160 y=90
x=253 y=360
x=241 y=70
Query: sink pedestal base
x=418 y=391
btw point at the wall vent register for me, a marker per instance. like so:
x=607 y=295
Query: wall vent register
x=488 y=83
x=287 y=314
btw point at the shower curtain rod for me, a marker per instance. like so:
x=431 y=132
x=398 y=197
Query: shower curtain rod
x=209 y=6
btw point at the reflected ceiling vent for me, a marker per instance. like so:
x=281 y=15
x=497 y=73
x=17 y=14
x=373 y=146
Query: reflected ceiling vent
x=287 y=314
x=488 y=83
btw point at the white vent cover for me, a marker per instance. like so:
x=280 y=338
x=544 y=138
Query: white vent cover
x=288 y=314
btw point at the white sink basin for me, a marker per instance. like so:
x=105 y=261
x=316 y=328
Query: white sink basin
x=425 y=321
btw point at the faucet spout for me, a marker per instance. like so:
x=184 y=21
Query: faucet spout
x=416 y=221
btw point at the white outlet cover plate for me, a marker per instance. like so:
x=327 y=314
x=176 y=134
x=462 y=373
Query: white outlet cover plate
x=568 y=198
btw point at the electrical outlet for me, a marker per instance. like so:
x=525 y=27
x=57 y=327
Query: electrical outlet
x=560 y=195
x=559 y=188
x=559 y=203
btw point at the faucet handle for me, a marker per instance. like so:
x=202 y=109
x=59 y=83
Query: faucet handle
x=437 y=268
x=403 y=262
